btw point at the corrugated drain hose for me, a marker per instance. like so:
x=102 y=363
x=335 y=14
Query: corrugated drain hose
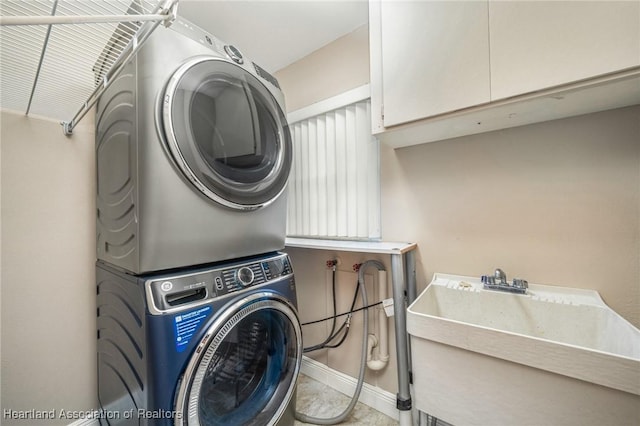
x=363 y=359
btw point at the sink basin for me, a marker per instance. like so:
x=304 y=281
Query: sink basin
x=555 y=355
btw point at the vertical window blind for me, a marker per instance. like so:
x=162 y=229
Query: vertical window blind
x=334 y=186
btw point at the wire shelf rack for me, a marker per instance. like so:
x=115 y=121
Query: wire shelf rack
x=57 y=56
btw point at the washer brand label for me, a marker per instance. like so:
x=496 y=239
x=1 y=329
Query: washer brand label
x=186 y=325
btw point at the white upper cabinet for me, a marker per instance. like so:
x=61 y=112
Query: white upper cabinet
x=442 y=69
x=541 y=44
x=435 y=58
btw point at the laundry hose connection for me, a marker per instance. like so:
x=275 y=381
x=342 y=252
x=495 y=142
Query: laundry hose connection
x=363 y=358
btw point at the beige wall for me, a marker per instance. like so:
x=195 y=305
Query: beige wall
x=555 y=203
x=329 y=71
x=48 y=281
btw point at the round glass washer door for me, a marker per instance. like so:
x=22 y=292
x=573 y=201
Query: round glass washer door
x=244 y=370
x=226 y=133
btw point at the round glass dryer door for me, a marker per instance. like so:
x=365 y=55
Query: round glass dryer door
x=245 y=368
x=227 y=133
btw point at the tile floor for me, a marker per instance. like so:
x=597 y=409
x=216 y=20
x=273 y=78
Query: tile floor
x=317 y=399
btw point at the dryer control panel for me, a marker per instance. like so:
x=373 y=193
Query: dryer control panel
x=170 y=292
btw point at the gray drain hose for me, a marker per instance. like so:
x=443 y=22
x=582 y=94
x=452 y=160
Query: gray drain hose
x=363 y=359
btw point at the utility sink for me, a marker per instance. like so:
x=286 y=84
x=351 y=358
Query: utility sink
x=553 y=355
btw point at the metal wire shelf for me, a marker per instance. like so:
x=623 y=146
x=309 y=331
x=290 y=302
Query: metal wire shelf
x=56 y=55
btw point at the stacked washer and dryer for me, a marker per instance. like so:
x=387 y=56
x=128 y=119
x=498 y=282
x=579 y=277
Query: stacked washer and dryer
x=197 y=320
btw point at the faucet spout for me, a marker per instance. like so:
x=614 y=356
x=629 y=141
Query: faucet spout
x=500 y=276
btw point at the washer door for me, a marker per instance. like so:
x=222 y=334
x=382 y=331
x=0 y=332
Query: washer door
x=244 y=370
x=226 y=133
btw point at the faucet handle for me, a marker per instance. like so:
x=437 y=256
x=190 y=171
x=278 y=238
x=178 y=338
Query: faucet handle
x=488 y=279
x=520 y=283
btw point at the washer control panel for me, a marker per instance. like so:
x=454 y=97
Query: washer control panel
x=168 y=292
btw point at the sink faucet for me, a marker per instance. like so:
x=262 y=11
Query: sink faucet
x=498 y=281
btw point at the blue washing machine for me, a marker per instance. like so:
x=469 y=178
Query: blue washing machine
x=215 y=345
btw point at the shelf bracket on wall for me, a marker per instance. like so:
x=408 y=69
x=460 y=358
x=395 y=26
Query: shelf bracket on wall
x=79 y=59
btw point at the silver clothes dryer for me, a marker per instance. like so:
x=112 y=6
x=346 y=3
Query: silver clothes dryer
x=193 y=155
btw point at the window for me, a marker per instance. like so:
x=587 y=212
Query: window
x=334 y=186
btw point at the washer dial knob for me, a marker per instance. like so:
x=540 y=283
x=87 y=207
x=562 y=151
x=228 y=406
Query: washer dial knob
x=245 y=276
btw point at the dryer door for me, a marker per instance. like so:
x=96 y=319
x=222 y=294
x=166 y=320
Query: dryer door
x=244 y=370
x=226 y=133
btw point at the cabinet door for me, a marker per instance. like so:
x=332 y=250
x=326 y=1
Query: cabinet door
x=435 y=58
x=541 y=44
